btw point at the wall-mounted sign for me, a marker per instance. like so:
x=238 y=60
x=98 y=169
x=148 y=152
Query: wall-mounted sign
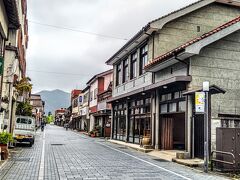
x=80 y=99
x=199 y=102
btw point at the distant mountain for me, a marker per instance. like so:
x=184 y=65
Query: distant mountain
x=55 y=99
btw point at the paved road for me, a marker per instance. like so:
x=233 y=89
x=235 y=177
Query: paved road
x=61 y=154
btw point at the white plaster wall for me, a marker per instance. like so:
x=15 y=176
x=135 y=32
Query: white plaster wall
x=3 y=19
x=93 y=86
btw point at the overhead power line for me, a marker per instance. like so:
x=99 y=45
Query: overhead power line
x=52 y=72
x=77 y=30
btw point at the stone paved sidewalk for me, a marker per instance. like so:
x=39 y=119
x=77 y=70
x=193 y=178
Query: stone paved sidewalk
x=69 y=155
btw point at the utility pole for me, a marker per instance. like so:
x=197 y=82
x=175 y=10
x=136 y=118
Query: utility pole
x=206 y=142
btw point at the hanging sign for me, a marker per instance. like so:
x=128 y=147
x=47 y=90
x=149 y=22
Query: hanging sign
x=199 y=102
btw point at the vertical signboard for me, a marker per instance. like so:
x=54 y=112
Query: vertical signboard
x=199 y=102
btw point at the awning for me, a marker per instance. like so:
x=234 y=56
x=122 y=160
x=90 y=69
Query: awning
x=213 y=89
x=153 y=86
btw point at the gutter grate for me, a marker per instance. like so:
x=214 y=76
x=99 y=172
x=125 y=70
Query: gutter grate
x=21 y=159
x=56 y=144
x=160 y=160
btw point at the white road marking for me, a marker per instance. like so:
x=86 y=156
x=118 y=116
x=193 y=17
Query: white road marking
x=179 y=175
x=41 y=169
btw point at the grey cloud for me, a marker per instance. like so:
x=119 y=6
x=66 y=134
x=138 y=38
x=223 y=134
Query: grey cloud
x=57 y=50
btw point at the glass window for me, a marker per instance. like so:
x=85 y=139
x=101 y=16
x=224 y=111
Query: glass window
x=133 y=72
x=163 y=108
x=24 y=121
x=143 y=59
x=172 y=107
x=125 y=70
x=182 y=106
x=166 y=97
x=91 y=95
x=176 y=95
x=118 y=74
x=95 y=93
x=148 y=101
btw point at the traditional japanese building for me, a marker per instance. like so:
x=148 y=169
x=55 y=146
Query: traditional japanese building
x=84 y=109
x=37 y=108
x=158 y=70
x=60 y=119
x=75 y=118
x=100 y=91
x=13 y=45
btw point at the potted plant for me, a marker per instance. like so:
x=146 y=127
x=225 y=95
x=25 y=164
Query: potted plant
x=23 y=86
x=98 y=130
x=5 y=138
x=91 y=133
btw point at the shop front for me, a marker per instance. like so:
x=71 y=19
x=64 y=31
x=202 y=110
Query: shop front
x=132 y=119
x=172 y=119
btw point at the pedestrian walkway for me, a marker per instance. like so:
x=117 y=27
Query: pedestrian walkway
x=70 y=155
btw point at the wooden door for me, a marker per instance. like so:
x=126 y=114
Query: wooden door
x=167 y=133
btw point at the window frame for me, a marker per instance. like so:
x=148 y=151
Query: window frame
x=133 y=63
x=125 y=71
x=118 y=73
x=143 y=60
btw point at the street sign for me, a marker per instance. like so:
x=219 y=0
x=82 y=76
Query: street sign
x=199 y=102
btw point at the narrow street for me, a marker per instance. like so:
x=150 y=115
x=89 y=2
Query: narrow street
x=61 y=154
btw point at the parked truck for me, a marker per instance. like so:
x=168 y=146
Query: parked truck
x=24 y=131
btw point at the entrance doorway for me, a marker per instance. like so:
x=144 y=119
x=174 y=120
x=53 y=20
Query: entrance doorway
x=198 y=135
x=173 y=131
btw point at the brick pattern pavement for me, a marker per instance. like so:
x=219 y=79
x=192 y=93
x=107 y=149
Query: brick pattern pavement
x=69 y=155
x=24 y=164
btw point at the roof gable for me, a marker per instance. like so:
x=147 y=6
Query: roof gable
x=199 y=43
x=156 y=25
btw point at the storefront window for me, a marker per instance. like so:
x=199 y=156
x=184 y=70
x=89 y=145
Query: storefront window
x=139 y=124
x=182 y=106
x=172 y=102
x=131 y=133
x=120 y=122
x=172 y=107
x=164 y=108
x=166 y=97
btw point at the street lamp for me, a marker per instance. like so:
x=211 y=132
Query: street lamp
x=206 y=142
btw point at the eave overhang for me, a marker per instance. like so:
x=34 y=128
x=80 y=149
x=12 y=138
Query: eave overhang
x=153 y=26
x=213 y=89
x=193 y=47
x=12 y=13
x=159 y=84
x=132 y=43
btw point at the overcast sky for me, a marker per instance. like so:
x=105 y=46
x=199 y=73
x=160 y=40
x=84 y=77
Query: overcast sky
x=64 y=59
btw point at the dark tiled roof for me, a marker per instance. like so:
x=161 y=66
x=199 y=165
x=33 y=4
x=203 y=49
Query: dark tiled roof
x=183 y=46
x=99 y=75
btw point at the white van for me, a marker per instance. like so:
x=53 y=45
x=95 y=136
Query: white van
x=24 y=130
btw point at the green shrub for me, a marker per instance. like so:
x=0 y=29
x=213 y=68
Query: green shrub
x=5 y=138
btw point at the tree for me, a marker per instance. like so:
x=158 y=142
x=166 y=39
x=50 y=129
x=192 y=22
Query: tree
x=24 y=109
